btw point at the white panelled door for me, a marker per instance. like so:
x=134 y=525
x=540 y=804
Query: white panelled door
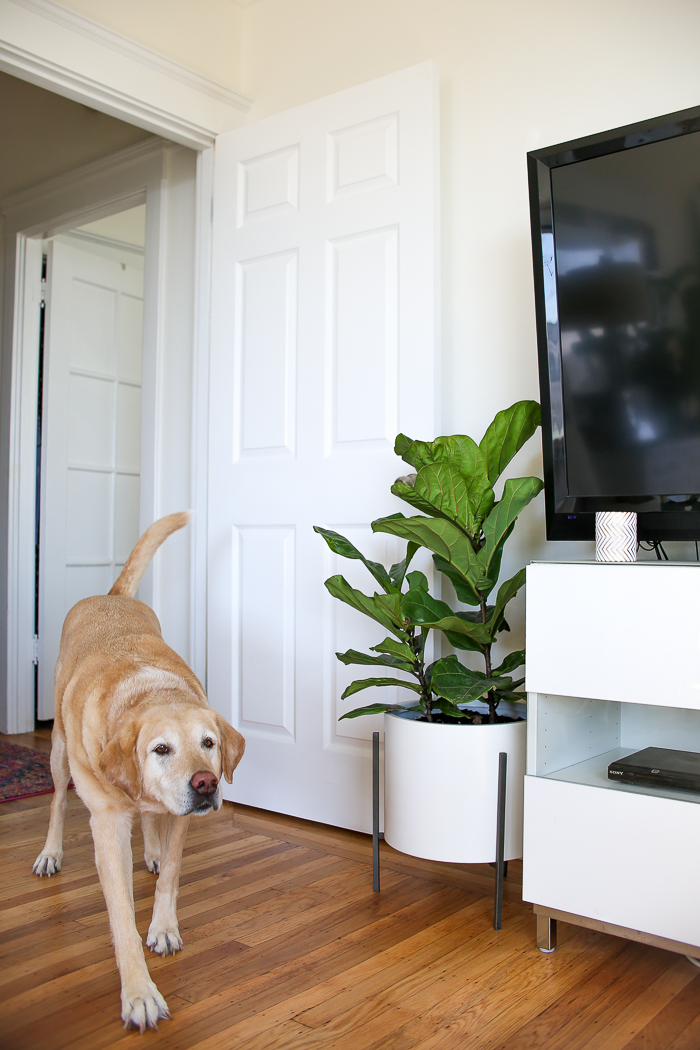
x=323 y=348
x=91 y=436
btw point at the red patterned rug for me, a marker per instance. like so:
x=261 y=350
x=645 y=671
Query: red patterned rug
x=23 y=772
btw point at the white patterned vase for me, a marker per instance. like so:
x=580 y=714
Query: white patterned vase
x=615 y=535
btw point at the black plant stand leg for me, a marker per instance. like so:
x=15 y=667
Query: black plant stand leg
x=500 y=840
x=375 y=811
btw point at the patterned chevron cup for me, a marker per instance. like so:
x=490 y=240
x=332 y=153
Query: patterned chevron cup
x=615 y=535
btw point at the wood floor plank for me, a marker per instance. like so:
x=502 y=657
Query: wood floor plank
x=570 y=1021
x=624 y=1024
x=679 y=1019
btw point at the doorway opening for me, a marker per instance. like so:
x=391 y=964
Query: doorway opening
x=88 y=422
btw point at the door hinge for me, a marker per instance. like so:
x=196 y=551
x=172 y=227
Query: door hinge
x=35 y=650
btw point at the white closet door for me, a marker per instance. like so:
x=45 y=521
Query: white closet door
x=323 y=348
x=91 y=437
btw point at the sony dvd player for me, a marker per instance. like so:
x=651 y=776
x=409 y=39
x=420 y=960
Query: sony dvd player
x=658 y=767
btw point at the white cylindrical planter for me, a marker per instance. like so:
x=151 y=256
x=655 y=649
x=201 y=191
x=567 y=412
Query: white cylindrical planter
x=441 y=789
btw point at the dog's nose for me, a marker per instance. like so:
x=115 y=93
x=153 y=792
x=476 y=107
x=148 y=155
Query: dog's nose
x=204 y=783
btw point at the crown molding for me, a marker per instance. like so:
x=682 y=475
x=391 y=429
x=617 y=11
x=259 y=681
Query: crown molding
x=44 y=43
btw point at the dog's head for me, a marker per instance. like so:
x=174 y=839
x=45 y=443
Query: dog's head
x=174 y=754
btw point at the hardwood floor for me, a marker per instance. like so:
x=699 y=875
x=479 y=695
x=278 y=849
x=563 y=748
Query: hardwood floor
x=288 y=948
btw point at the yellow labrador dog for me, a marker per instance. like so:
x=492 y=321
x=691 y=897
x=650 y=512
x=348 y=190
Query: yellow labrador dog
x=134 y=729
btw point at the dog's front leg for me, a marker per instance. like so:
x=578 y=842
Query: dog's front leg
x=142 y=1003
x=49 y=860
x=163 y=934
x=150 y=827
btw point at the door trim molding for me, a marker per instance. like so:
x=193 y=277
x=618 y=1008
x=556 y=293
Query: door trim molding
x=73 y=56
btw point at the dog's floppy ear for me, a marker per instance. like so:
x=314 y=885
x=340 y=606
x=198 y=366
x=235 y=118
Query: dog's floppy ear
x=232 y=746
x=118 y=762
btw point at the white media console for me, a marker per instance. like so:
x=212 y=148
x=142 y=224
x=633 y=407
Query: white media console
x=613 y=666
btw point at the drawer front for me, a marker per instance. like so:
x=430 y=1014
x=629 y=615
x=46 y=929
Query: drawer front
x=632 y=860
x=588 y=632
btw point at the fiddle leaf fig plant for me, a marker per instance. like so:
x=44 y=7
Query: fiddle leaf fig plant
x=465 y=528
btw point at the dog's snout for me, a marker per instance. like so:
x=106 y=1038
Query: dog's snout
x=204 y=783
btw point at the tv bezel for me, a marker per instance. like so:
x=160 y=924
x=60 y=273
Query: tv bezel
x=651 y=525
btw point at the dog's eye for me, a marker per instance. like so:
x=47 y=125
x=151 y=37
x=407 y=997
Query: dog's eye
x=162 y=749
x=208 y=742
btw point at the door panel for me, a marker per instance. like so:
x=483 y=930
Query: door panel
x=91 y=436
x=323 y=347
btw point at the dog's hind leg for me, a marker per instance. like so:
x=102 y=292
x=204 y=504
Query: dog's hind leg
x=150 y=825
x=163 y=933
x=49 y=860
x=142 y=1003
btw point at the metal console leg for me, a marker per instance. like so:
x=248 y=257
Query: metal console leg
x=546 y=934
x=375 y=811
x=500 y=840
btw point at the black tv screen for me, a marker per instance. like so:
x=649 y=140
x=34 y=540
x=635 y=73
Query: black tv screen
x=616 y=248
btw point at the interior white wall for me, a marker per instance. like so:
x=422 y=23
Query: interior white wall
x=206 y=35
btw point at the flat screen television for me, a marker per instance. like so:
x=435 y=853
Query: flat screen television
x=616 y=249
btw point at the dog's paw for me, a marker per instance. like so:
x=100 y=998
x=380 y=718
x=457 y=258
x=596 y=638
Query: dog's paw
x=153 y=864
x=47 y=864
x=143 y=1007
x=164 y=942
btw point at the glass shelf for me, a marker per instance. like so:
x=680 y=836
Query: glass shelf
x=593 y=772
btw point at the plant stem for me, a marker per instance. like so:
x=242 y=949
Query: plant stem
x=490 y=698
x=426 y=692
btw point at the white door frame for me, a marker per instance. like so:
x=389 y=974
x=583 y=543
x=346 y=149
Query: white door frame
x=74 y=57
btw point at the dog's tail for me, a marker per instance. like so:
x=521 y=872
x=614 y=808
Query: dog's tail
x=136 y=564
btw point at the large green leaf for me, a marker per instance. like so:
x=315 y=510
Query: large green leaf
x=513 y=697
x=465 y=592
x=367 y=683
x=507 y=434
x=445 y=490
x=352 y=656
x=420 y=607
x=372 y=607
x=517 y=493
x=409 y=495
x=340 y=545
x=442 y=538
x=391 y=603
x=460 y=684
x=379 y=709
x=477 y=633
x=417 y=579
x=460 y=451
x=461 y=641
x=397 y=572
x=506 y=591
x=448 y=708
x=402 y=447
x=394 y=648
x=511 y=663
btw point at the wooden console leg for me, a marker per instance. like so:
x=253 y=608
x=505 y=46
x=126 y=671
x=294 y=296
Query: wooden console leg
x=546 y=933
